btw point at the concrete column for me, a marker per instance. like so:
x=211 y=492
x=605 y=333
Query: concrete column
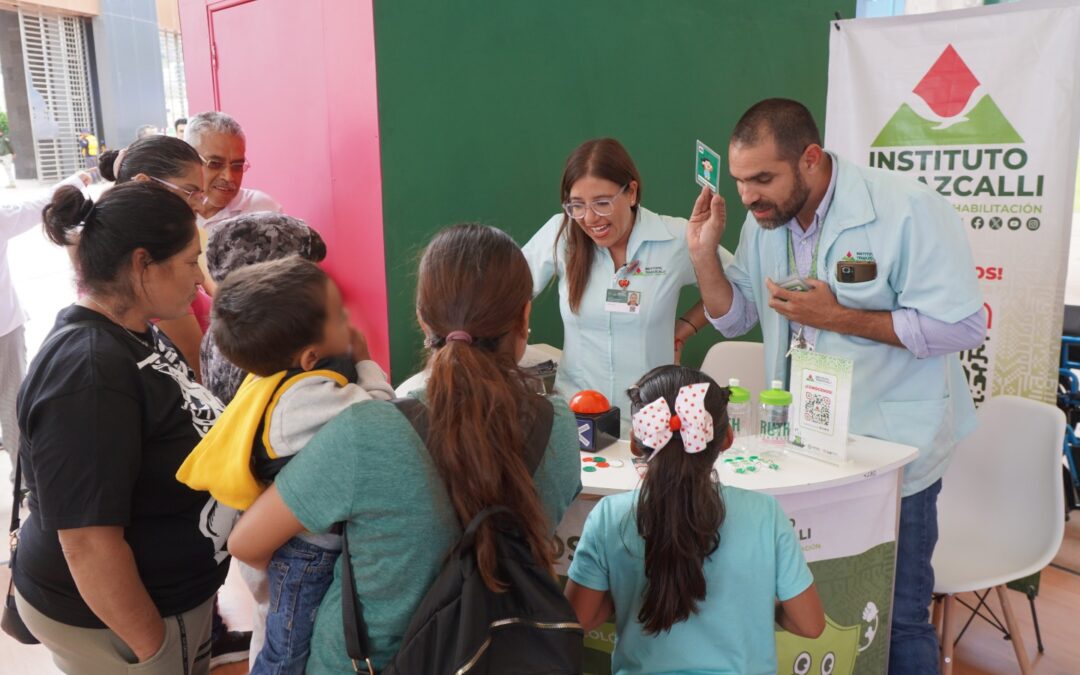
x=18 y=104
x=130 y=82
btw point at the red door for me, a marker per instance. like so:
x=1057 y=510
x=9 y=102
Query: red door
x=300 y=78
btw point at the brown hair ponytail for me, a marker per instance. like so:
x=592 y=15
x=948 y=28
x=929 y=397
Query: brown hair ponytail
x=474 y=279
x=679 y=509
x=603 y=158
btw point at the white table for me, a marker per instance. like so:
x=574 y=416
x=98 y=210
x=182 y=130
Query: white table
x=869 y=457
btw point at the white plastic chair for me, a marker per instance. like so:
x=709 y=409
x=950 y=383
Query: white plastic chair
x=743 y=360
x=1001 y=512
x=415 y=381
x=534 y=354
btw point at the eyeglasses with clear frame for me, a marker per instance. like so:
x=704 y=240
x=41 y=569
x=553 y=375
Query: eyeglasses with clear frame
x=602 y=207
x=239 y=166
x=196 y=196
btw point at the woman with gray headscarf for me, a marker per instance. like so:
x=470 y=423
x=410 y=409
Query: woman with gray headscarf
x=238 y=242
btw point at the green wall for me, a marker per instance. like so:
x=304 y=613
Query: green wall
x=480 y=102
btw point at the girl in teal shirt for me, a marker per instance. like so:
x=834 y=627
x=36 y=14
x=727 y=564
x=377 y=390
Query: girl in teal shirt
x=691 y=569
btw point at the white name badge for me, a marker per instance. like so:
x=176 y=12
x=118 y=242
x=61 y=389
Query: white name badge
x=623 y=301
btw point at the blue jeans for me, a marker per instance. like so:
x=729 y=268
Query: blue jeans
x=299 y=574
x=914 y=645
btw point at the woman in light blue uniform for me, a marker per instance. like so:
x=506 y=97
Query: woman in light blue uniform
x=620 y=269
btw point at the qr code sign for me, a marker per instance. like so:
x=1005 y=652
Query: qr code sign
x=817 y=410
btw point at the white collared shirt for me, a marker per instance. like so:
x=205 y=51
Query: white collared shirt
x=245 y=201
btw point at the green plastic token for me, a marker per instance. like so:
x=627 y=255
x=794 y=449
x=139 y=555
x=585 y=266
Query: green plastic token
x=599 y=459
x=590 y=469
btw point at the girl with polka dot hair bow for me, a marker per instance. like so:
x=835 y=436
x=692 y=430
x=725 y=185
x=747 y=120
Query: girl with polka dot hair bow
x=694 y=572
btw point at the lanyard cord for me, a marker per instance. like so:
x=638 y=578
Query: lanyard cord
x=792 y=266
x=624 y=272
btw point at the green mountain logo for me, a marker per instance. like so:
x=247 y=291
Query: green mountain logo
x=947 y=90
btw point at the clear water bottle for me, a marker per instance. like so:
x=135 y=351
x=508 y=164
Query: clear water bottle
x=740 y=413
x=773 y=420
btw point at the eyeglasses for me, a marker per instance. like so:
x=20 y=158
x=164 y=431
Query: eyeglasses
x=601 y=207
x=197 y=196
x=239 y=166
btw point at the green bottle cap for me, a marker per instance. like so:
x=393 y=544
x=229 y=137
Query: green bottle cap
x=738 y=394
x=776 y=395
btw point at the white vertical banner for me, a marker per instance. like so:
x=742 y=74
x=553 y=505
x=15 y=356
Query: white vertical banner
x=982 y=105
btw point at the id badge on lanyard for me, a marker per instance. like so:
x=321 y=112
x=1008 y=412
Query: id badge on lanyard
x=621 y=298
x=798 y=340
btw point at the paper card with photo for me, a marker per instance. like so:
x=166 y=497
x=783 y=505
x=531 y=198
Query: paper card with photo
x=622 y=301
x=707 y=167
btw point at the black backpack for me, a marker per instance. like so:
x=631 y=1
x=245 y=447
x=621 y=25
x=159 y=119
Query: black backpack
x=461 y=626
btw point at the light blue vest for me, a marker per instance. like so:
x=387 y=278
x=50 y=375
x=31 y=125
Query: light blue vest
x=923 y=262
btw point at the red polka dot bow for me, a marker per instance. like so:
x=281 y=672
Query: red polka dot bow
x=654 y=424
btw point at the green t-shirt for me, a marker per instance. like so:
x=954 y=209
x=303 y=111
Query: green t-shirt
x=368 y=466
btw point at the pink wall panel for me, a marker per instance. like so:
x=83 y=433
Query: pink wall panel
x=195 y=29
x=348 y=60
x=300 y=78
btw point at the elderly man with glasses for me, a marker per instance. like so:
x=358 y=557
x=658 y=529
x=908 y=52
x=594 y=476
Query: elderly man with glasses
x=222 y=146
x=220 y=142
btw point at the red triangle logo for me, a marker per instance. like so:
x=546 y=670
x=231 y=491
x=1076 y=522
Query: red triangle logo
x=948 y=85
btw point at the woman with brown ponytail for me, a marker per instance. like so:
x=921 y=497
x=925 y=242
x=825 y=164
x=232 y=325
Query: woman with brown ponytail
x=691 y=569
x=404 y=502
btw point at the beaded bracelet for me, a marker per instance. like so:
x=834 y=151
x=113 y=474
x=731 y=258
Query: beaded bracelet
x=691 y=324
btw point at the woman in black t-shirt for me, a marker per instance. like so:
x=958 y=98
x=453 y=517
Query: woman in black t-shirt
x=108 y=412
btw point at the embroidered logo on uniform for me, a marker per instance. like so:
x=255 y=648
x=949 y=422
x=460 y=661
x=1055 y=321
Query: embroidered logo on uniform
x=859 y=256
x=650 y=271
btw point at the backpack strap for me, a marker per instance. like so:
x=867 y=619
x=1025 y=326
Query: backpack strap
x=357 y=642
x=537 y=440
x=416 y=412
x=467 y=539
x=13 y=528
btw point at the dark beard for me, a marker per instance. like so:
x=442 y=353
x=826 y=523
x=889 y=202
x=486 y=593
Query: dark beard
x=786 y=211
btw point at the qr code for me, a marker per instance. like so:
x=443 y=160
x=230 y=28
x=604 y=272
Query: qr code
x=976 y=363
x=817 y=410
